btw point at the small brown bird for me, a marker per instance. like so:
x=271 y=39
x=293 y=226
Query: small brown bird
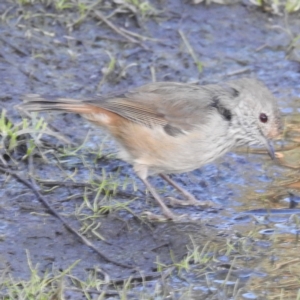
x=168 y=127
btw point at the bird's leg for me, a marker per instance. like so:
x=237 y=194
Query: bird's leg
x=166 y=211
x=142 y=172
x=190 y=199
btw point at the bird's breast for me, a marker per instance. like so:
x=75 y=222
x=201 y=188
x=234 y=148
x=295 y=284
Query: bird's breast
x=165 y=153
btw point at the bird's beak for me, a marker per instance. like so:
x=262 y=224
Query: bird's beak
x=270 y=148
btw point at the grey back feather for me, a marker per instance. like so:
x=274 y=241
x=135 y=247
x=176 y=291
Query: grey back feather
x=179 y=105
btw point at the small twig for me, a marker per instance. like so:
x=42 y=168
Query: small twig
x=239 y=71
x=143 y=38
x=41 y=198
x=261 y=47
x=117 y=30
x=283 y=264
x=114 y=27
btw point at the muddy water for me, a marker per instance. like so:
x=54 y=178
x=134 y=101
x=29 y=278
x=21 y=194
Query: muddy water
x=42 y=56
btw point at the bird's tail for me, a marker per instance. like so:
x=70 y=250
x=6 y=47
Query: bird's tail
x=34 y=102
x=91 y=111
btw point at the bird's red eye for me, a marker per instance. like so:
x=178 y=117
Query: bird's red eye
x=263 y=118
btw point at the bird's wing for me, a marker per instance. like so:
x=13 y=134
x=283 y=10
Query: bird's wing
x=177 y=107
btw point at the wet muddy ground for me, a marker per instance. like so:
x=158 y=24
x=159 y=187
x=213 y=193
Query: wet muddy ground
x=47 y=51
